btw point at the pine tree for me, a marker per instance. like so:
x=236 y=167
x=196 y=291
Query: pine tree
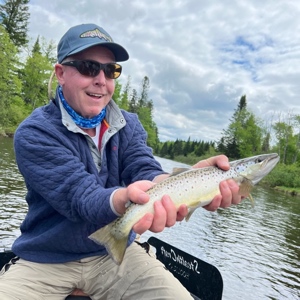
x=35 y=77
x=14 y=16
x=12 y=109
x=243 y=137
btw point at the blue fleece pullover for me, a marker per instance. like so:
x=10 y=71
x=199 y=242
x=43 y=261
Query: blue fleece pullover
x=68 y=199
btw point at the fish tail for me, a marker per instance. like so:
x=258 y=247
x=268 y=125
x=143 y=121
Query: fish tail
x=115 y=247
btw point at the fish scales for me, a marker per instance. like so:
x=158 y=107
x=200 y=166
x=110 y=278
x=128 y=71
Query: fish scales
x=182 y=190
x=194 y=187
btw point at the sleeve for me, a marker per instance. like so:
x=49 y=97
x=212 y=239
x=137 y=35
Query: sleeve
x=53 y=169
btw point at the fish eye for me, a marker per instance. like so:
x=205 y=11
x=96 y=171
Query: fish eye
x=259 y=160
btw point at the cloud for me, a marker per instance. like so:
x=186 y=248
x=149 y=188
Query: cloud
x=200 y=56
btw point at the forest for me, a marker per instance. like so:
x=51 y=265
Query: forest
x=26 y=68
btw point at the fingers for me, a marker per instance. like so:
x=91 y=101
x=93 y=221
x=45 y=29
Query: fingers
x=136 y=192
x=165 y=215
x=215 y=204
x=220 y=161
x=229 y=195
x=143 y=224
x=182 y=212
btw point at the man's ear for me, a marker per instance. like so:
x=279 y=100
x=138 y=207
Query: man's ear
x=59 y=72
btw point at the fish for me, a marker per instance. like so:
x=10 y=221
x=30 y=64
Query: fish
x=195 y=187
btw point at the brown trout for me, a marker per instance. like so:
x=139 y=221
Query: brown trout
x=194 y=187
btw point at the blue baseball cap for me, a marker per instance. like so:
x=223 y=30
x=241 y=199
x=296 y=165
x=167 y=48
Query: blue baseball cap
x=81 y=37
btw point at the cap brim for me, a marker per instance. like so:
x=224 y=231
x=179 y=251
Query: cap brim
x=119 y=52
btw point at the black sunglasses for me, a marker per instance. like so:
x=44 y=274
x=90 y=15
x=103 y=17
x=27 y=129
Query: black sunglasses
x=92 y=68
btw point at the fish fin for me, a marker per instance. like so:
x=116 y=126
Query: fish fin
x=115 y=247
x=191 y=211
x=251 y=200
x=177 y=171
x=245 y=189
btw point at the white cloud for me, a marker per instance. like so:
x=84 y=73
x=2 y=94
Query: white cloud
x=200 y=56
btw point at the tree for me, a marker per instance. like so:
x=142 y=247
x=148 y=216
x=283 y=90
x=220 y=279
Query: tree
x=35 y=77
x=230 y=135
x=243 y=137
x=12 y=109
x=117 y=93
x=14 y=17
x=144 y=93
x=133 y=102
x=187 y=147
x=125 y=95
x=249 y=136
x=284 y=135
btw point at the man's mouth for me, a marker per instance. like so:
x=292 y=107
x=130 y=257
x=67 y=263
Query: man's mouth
x=95 y=95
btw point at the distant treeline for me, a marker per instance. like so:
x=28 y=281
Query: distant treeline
x=173 y=149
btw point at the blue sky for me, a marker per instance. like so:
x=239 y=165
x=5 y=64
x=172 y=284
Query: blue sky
x=201 y=56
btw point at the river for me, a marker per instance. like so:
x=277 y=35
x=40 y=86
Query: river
x=257 y=250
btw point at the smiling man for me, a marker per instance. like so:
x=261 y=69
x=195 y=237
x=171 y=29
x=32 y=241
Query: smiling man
x=83 y=159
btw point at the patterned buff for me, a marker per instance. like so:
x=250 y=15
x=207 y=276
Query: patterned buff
x=79 y=120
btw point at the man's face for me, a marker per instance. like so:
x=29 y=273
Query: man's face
x=87 y=95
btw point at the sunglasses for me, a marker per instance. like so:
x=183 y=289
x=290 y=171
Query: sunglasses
x=92 y=68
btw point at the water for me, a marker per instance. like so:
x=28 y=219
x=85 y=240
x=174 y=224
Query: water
x=257 y=250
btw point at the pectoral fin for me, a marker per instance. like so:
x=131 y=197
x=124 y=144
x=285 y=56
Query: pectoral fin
x=245 y=189
x=191 y=211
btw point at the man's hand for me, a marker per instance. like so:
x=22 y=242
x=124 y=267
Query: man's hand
x=165 y=212
x=229 y=188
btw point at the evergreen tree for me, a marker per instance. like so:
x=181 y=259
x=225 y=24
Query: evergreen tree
x=187 y=147
x=243 y=136
x=117 y=93
x=133 y=102
x=14 y=16
x=35 y=77
x=36 y=47
x=145 y=113
x=12 y=109
x=124 y=103
x=144 y=94
x=164 y=150
x=178 y=147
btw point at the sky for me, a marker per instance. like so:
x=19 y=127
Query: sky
x=200 y=56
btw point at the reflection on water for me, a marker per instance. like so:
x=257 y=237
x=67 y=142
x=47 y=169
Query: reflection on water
x=12 y=192
x=257 y=250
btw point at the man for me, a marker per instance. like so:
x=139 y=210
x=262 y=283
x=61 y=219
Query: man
x=83 y=159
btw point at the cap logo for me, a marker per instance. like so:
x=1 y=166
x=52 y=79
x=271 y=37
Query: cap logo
x=96 y=33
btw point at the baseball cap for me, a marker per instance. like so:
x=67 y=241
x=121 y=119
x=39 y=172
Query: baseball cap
x=81 y=37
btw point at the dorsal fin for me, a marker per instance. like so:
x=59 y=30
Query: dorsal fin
x=177 y=171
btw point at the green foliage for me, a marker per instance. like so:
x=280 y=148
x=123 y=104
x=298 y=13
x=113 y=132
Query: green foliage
x=244 y=136
x=14 y=16
x=140 y=105
x=35 y=76
x=11 y=106
x=185 y=151
x=284 y=175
